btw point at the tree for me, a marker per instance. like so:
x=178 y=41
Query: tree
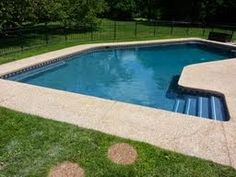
x=84 y=11
x=46 y=10
x=15 y=13
x=121 y=10
x=150 y=9
x=218 y=10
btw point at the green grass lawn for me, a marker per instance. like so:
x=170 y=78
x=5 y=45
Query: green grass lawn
x=31 y=146
x=125 y=31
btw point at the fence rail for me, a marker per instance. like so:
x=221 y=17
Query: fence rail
x=16 y=40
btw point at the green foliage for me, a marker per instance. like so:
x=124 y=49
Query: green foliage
x=186 y=10
x=121 y=10
x=218 y=10
x=82 y=12
x=46 y=10
x=16 y=13
x=151 y=9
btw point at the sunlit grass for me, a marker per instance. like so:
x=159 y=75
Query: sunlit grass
x=31 y=146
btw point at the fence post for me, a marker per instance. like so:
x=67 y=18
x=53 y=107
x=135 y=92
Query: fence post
x=91 y=32
x=65 y=33
x=212 y=29
x=187 y=30
x=114 y=37
x=154 y=32
x=46 y=34
x=135 y=28
x=203 y=29
x=172 y=28
x=21 y=40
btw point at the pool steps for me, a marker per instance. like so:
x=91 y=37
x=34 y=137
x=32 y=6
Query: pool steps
x=211 y=107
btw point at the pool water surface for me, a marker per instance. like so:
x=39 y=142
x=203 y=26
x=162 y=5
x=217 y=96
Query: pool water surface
x=143 y=75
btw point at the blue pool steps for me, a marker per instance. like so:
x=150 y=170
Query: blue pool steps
x=200 y=107
x=211 y=107
x=179 y=106
x=219 y=109
x=188 y=106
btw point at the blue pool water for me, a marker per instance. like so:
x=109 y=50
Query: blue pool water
x=140 y=75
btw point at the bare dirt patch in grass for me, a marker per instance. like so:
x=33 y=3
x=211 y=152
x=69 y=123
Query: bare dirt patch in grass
x=66 y=169
x=2 y=166
x=122 y=153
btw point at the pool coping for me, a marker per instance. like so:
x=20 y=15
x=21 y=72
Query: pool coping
x=212 y=140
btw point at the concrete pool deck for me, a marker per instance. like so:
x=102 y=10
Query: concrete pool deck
x=208 y=139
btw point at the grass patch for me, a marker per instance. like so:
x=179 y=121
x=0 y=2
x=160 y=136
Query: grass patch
x=31 y=146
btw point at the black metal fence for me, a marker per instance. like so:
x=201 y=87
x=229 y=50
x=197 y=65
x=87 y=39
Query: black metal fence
x=15 y=40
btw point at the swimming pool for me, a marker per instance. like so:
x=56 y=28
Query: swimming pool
x=143 y=75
